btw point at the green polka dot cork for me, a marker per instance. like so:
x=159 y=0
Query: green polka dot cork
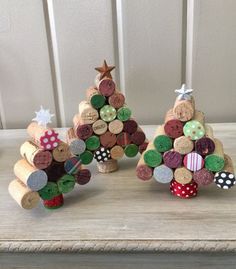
x=49 y=191
x=92 y=143
x=162 y=143
x=108 y=113
x=124 y=113
x=152 y=158
x=194 y=130
x=86 y=157
x=66 y=183
x=97 y=101
x=131 y=150
x=214 y=163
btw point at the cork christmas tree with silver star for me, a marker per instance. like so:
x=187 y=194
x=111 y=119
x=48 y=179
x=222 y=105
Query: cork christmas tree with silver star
x=184 y=152
x=47 y=169
x=105 y=124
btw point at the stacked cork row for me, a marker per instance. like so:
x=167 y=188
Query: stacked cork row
x=105 y=125
x=47 y=170
x=185 y=154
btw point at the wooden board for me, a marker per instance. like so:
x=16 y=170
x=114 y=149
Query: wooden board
x=118 y=212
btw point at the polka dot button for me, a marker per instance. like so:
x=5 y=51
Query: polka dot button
x=194 y=130
x=108 y=113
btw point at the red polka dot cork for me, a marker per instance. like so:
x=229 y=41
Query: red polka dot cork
x=50 y=140
x=184 y=191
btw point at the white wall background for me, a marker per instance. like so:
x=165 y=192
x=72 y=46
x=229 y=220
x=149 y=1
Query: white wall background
x=49 y=48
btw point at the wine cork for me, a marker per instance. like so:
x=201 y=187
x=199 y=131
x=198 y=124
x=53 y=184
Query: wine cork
x=184 y=109
x=106 y=86
x=185 y=191
x=99 y=127
x=77 y=146
x=37 y=157
x=117 y=152
x=163 y=174
x=102 y=155
x=87 y=113
x=203 y=177
x=143 y=146
x=124 y=113
x=215 y=161
x=108 y=140
x=151 y=156
x=66 y=183
x=131 y=150
x=83 y=177
x=54 y=203
x=193 y=161
x=226 y=179
x=86 y=157
x=206 y=145
x=95 y=98
x=182 y=175
x=199 y=116
x=143 y=171
x=172 y=159
x=130 y=126
x=108 y=113
x=73 y=165
x=162 y=142
x=92 y=143
x=55 y=171
x=83 y=131
x=49 y=191
x=116 y=100
x=25 y=197
x=123 y=139
x=138 y=137
x=32 y=177
x=173 y=127
x=183 y=145
x=61 y=152
x=108 y=166
x=194 y=129
x=46 y=138
x=115 y=126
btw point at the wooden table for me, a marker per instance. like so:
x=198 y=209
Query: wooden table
x=119 y=221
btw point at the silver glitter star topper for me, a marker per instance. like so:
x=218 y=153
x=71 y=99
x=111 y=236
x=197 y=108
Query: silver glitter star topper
x=184 y=93
x=43 y=116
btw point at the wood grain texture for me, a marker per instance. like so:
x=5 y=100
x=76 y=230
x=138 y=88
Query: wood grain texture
x=117 y=261
x=211 y=54
x=150 y=55
x=118 y=212
x=83 y=42
x=25 y=74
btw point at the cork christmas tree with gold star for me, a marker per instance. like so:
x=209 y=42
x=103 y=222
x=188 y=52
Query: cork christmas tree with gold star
x=184 y=152
x=105 y=123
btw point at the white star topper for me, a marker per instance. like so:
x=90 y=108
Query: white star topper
x=43 y=116
x=184 y=93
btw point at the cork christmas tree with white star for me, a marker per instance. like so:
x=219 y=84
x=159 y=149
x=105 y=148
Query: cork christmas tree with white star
x=184 y=152
x=105 y=124
x=47 y=168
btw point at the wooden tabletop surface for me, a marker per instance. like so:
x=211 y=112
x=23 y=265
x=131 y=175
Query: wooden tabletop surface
x=118 y=212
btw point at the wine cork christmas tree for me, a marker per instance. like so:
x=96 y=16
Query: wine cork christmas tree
x=184 y=152
x=47 y=169
x=105 y=124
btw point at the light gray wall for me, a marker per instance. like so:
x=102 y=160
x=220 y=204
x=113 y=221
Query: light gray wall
x=49 y=48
